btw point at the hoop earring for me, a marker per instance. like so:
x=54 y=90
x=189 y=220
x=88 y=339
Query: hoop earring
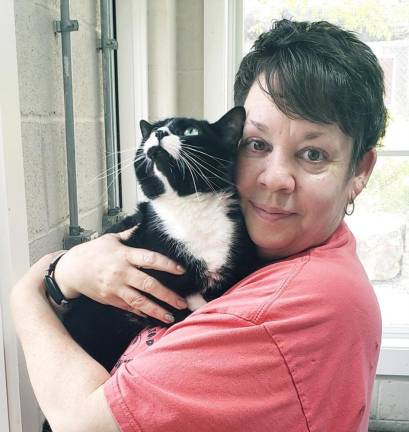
x=348 y=211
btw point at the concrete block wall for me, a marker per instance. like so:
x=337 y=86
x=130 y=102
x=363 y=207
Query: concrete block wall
x=42 y=114
x=390 y=404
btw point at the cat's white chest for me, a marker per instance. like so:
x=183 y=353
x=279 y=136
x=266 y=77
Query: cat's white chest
x=199 y=221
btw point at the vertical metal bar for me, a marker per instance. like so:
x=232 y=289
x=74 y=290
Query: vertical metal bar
x=69 y=115
x=109 y=106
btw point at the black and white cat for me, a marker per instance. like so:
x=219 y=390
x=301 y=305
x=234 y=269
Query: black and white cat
x=185 y=168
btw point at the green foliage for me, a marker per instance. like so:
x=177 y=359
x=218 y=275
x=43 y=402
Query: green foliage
x=388 y=188
x=373 y=19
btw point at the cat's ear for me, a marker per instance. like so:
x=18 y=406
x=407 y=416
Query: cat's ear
x=146 y=128
x=230 y=126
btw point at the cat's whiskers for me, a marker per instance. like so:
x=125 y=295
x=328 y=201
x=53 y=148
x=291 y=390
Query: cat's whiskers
x=109 y=171
x=191 y=173
x=205 y=179
x=207 y=162
x=181 y=167
x=202 y=163
x=211 y=171
x=115 y=177
x=193 y=148
x=120 y=152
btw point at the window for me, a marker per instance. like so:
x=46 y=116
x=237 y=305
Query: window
x=381 y=219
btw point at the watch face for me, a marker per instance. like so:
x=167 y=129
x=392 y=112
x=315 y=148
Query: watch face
x=53 y=290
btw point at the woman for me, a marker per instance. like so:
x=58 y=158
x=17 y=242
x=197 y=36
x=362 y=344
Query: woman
x=294 y=346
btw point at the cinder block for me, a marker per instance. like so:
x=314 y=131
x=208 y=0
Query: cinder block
x=33 y=144
x=50 y=242
x=86 y=11
x=39 y=60
x=393 y=399
x=374 y=401
x=93 y=219
x=50 y=4
x=87 y=74
x=90 y=159
x=55 y=172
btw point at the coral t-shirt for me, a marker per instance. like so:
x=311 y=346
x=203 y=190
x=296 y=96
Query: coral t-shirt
x=293 y=347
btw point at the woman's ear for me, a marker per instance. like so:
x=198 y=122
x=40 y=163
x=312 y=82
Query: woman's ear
x=362 y=172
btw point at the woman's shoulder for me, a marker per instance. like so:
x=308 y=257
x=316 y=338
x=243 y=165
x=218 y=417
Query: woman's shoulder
x=329 y=274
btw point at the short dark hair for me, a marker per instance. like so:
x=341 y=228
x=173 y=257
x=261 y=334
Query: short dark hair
x=322 y=73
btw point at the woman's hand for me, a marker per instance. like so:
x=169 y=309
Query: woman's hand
x=107 y=271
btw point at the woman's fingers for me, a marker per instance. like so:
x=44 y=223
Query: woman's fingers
x=147 y=284
x=124 y=235
x=101 y=268
x=136 y=302
x=152 y=260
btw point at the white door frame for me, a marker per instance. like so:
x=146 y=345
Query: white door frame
x=131 y=20
x=222 y=51
x=14 y=252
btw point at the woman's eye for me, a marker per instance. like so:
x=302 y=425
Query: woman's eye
x=314 y=155
x=256 y=145
x=191 y=131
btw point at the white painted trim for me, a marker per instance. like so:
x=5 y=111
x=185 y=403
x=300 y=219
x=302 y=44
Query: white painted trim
x=235 y=38
x=4 y=415
x=131 y=18
x=222 y=51
x=394 y=357
x=393 y=152
x=14 y=254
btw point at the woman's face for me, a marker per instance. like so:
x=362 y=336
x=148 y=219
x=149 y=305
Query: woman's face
x=292 y=176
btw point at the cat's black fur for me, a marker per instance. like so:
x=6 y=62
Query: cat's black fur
x=104 y=331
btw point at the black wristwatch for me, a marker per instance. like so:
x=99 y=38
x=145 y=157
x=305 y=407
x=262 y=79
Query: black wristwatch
x=51 y=286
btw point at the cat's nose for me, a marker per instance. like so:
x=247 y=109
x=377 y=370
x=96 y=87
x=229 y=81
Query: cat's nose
x=160 y=134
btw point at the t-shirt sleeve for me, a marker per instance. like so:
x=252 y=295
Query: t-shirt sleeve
x=214 y=372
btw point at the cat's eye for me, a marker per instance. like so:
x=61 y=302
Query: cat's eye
x=191 y=131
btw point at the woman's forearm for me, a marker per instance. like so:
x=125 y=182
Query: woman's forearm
x=64 y=377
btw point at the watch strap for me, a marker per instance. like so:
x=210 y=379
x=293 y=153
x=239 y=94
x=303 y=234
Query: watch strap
x=51 y=285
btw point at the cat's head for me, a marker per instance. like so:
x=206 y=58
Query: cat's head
x=187 y=155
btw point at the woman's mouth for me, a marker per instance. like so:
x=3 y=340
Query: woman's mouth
x=270 y=214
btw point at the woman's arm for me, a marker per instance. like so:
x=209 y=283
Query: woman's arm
x=66 y=380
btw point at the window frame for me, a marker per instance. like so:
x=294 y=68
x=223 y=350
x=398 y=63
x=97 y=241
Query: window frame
x=222 y=46
x=132 y=57
x=223 y=36
x=394 y=355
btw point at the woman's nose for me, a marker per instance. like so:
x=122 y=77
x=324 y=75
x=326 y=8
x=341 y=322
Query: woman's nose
x=277 y=175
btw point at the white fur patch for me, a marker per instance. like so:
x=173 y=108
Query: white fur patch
x=152 y=141
x=170 y=143
x=194 y=301
x=199 y=221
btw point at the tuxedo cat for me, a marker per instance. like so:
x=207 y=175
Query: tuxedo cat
x=185 y=168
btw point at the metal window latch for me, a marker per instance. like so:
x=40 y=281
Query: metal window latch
x=109 y=43
x=66 y=26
